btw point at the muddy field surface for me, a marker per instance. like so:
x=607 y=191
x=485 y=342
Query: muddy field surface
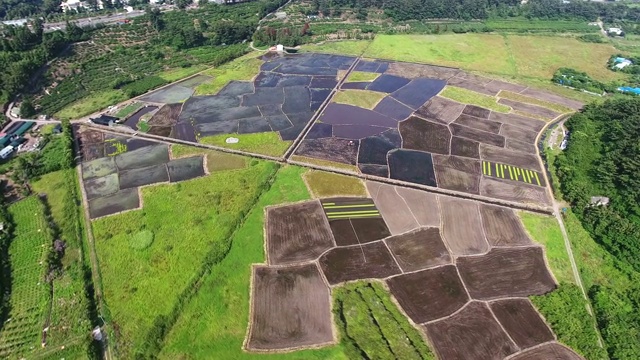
x=462 y=240
x=297 y=233
x=513 y=272
x=275 y=292
x=470 y=334
x=419 y=249
x=428 y=124
x=112 y=182
x=429 y=294
x=369 y=261
x=522 y=322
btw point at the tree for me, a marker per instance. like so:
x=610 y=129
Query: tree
x=27 y=110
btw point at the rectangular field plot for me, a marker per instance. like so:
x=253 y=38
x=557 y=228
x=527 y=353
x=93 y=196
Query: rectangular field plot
x=358 y=262
x=143 y=176
x=296 y=233
x=185 y=168
x=349 y=208
x=143 y=157
x=522 y=322
x=503 y=171
x=120 y=201
x=291 y=308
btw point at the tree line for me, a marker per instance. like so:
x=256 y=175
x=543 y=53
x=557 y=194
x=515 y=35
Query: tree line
x=603 y=159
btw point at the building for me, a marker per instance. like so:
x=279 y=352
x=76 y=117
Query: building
x=105 y=120
x=615 y=31
x=599 y=201
x=73 y=5
x=6 y=152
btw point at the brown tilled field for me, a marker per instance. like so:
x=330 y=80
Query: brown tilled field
x=392 y=207
x=471 y=334
x=478 y=123
x=522 y=322
x=513 y=191
x=419 y=249
x=504 y=272
x=530 y=109
x=441 y=109
x=492 y=153
x=518 y=120
x=502 y=226
x=275 y=292
x=423 y=135
x=370 y=261
x=423 y=206
x=548 y=351
x=429 y=294
x=297 y=233
x=462 y=240
x=465 y=147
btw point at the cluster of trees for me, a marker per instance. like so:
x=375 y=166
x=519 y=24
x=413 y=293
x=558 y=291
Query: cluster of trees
x=287 y=36
x=5 y=266
x=603 y=159
x=580 y=80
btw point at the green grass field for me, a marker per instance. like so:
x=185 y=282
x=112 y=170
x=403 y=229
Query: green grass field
x=191 y=221
x=356 y=76
x=370 y=323
x=266 y=143
x=361 y=98
x=181 y=73
x=325 y=163
x=346 y=47
x=69 y=316
x=324 y=184
x=128 y=110
x=474 y=98
x=242 y=68
x=91 y=104
x=216 y=160
x=30 y=295
x=215 y=321
x=546 y=231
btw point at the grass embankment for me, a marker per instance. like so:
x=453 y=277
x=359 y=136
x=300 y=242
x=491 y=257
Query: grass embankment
x=361 y=98
x=191 y=222
x=243 y=68
x=370 y=323
x=474 y=98
x=346 y=47
x=324 y=184
x=91 y=104
x=266 y=143
x=30 y=295
x=215 y=321
x=357 y=76
x=546 y=231
x=176 y=74
x=216 y=160
x=324 y=163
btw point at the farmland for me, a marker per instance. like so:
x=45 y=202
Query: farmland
x=30 y=295
x=139 y=285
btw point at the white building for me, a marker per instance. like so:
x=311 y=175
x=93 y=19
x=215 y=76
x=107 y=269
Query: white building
x=4 y=153
x=615 y=31
x=74 y=5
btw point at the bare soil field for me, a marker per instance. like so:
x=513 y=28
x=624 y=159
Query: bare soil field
x=422 y=135
x=465 y=147
x=553 y=351
x=546 y=96
x=453 y=179
x=429 y=294
x=477 y=135
x=419 y=249
x=503 y=227
x=358 y=262
x=478 y=123
x=514 y=132
x=471 y=334
x=423 y=206
x=492 y=153
x=517 y=120
x=530 y=109
x=275 y=292
x=513 y=191
x=298 y=232
x=462 y=240
x=441 y=109
x=476 y=111
x=514 y=272
x=522 y=322
x=516 y=145
x=392 y=207
x=413 y=71
x=473 y=85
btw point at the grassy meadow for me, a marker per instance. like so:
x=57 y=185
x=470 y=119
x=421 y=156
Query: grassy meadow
x=465 y=96
x=91 y=104
x=361 y=98
x=266 y=143
x=243 y=68
x=324 y=184
x=190 y=223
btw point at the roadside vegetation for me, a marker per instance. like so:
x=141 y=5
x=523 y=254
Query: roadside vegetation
x=243 y=68
x=267 y=143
